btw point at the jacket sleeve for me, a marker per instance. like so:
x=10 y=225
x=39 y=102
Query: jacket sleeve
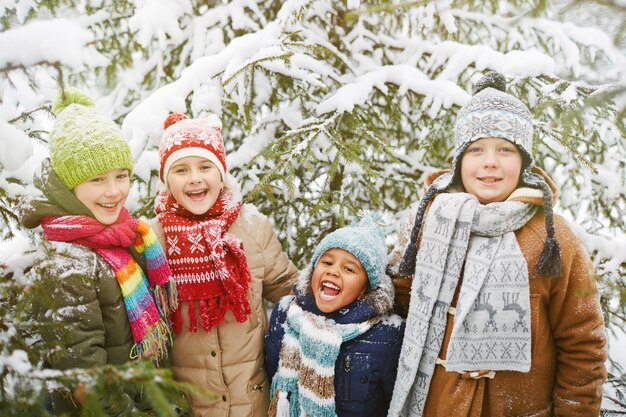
x=402 y=284
x=274 y=336
x=74 y=303
x=391 y=367
x=578 y=330
x=280 y=272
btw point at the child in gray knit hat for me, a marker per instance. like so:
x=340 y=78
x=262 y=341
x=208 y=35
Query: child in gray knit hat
x=504 y=316
x=332 y=348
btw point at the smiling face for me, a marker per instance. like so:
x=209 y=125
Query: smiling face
x=337 y=280
x=490 y=169
x=195 y=183
x=105 y=194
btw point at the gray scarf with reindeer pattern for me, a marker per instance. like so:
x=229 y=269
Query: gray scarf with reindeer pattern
x=492 y=325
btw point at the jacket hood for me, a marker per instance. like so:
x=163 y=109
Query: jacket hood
x=56 y=199
x=523 y=194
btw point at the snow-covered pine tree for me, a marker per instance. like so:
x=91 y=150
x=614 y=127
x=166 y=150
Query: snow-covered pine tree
x=44 y=47
x=332 y=107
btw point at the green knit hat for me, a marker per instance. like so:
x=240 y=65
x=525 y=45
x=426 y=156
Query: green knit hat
x=83 y=143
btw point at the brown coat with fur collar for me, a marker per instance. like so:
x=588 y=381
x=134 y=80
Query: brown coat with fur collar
x=568 y=342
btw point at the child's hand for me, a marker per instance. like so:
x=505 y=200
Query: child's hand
x=402 y=298
x=79 y=393
x=150 y=352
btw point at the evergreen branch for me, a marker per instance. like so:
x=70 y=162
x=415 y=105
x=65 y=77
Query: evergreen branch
x=28 y=115
x=282 y=160
x=619 y=316
x=55 y=65
x=557 y=137
x=616 y=401
x=321 y=50
x=352 y=15
x=251 y=64
x=614 y=5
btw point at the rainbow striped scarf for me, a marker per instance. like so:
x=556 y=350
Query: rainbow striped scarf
x=149 y=300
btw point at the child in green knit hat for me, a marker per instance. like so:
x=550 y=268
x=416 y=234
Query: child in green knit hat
x=105 y=272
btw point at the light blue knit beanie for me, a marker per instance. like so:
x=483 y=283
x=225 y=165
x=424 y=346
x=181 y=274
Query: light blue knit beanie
x=365 y=240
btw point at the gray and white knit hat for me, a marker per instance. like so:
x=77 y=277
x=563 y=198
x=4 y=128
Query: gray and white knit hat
x=492 y=112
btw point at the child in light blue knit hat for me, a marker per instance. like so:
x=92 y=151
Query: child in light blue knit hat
x=333 y=347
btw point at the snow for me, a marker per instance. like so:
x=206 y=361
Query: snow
x=157 y=19
x=17 y=361
x=440 y=93
x=612 y=249
x=16 y=147
x=14 y=256
x=214 y=68
x=58 y=40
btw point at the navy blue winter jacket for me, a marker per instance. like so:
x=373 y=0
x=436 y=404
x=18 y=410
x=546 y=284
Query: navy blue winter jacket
x=365 y=371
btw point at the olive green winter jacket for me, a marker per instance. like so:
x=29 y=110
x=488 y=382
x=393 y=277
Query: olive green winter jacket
x=85 y=310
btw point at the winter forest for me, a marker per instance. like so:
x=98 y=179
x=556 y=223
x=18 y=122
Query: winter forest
x=328 y=108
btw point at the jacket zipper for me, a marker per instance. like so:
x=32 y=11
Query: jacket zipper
x=346 y=384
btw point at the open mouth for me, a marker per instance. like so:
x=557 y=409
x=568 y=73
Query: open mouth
x=108 y=206
x=197 y=194
x=328 y=290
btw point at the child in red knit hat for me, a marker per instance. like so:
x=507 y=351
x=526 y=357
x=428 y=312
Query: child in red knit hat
x=225 y=258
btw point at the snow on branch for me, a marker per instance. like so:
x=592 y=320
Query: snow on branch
x=438 y=93
x=455 y=58
x=53 y=41
x=560 y=38
x=610 y=251
x=158 y=19
x=15 y=146
x=146 y=119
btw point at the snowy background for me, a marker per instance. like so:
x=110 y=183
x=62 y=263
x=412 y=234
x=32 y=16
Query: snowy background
x=328 y=107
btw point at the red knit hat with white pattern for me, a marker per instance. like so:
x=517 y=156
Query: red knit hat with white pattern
x=191 y=137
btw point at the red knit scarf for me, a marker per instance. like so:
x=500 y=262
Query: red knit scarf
x=150 y=300
x=208 y=263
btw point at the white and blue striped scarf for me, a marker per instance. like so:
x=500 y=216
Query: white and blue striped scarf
x=304 y=382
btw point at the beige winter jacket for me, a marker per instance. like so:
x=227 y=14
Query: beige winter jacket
x=229 y=360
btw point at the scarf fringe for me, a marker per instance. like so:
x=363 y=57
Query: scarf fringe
x=155 y=344
x=280 y=406
x=212 y=313
x=549 y=261
x=283 y=405
x=166 y=298
x=193 y=320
